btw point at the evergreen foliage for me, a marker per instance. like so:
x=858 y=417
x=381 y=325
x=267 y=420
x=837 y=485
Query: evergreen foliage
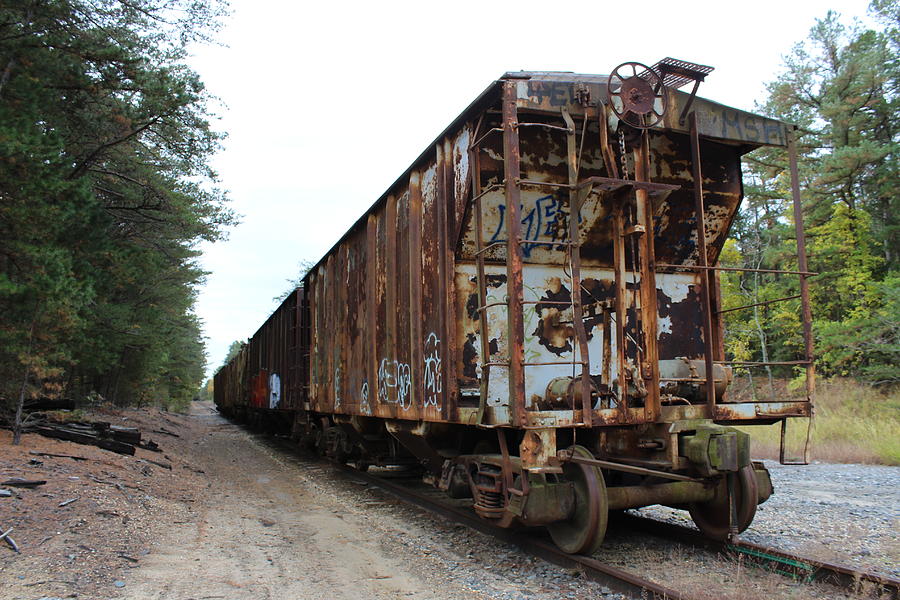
x=841 y=87
x=105 y=191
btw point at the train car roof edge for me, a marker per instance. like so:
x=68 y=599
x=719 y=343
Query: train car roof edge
x=492 y=93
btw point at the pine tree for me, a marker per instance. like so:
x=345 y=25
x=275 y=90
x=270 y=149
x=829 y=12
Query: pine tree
x=840 y=86
x=105 y=190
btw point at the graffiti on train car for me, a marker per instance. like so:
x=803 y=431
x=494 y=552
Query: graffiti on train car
x=364 y=405
x=547 y=218
x=394 y=382
x=715 y=120
x=433 y=384
x=553 y=93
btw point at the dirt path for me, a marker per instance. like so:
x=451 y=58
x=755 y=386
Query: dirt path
x=263 y=530
x=239 y=516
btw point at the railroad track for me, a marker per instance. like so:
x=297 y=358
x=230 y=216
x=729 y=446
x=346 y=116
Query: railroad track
x=795 y=566
x=616 y=579
x=791 y=565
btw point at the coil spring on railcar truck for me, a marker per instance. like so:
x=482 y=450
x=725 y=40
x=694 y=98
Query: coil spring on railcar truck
x=530 y=313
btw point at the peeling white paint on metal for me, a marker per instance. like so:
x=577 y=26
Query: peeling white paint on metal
x=429 y=187
x=676 y=286
x=664 y=325
x=537 y=279
x=460 y=160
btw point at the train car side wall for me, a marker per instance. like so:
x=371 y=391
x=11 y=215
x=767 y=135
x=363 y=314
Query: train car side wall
x=381 y=304
x=274 y=357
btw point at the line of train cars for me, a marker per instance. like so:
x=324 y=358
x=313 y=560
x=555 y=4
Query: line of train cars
x=529 y=316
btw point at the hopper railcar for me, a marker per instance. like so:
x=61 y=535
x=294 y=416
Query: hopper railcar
x=531 y=313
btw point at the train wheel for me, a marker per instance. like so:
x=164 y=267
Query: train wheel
x=341 y=448
x=712 y=517
x=583 y=532
x=309 y=437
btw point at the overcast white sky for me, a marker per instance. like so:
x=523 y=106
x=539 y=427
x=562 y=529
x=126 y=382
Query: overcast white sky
x=326 y=103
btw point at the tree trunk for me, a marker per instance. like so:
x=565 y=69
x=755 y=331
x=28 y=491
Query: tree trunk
x=17 y=423
x=762 y=335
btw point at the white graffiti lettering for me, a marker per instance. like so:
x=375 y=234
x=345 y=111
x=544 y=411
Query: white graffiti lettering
x=393 y=375
x=364 y=398
x=433 y=382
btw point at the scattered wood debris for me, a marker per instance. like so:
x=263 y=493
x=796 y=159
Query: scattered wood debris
x=92 y=434
x=150 y=445
x=72 y=456
x=165 y=431
x=11 y=542
x=115 y=438
x=23 y=483
x=49 y=404
x=164 y=465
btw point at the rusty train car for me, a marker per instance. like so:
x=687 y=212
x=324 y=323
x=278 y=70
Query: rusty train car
x=531 y=312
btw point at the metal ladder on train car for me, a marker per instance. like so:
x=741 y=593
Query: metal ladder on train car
x=515 y=301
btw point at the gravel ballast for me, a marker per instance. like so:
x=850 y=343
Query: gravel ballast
x=847 y=514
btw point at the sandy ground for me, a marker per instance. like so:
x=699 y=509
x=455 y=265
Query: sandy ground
x=239 y=517
x=263 y=533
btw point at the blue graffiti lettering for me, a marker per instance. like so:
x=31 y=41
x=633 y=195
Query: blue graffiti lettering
x=538 y=221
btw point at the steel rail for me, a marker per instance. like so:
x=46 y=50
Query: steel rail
x=615 y=579
x=792 y=565
x=795 y=566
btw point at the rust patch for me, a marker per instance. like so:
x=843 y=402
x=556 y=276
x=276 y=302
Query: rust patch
x=683 y=335
x=554 y=329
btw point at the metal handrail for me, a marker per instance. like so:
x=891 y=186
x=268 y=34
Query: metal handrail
x=738 y=269
x=719 y=312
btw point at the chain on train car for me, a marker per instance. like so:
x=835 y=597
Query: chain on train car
x=531 y=313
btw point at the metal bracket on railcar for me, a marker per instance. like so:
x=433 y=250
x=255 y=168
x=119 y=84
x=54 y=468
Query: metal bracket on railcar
x=677 y=73
x=711 y=448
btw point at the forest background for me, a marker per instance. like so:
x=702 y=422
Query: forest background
x=106 y=191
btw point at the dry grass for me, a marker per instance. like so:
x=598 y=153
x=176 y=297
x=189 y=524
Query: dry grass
x=853 y=423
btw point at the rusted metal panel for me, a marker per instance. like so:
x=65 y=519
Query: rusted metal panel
x=390 y=387
x=544 y=212
x=230 y=384
x=433 y=295
x=450 y=190
x=320 y=366
x=399 y=399
x=414 y=256
x=552 y=92
x=396 y=321
x=403 y=307
x=369 y=391
x=462 y=181
x=549 y=335
x=263 y=375
x=726 y=123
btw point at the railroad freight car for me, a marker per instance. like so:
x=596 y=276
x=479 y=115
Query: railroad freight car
x=531 y=313
x=262 y=383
